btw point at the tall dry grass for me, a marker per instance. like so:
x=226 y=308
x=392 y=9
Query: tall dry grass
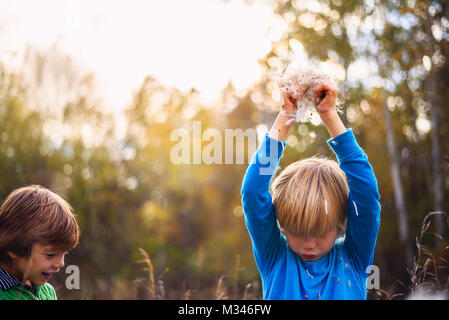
x=429 y=276
x=227 y=286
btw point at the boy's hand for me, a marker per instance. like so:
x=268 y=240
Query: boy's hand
x=326 y=95
x=290 y=99
x=282 y=124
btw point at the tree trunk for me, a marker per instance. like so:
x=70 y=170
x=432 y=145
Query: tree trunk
x=397 y=185
x=432 y=93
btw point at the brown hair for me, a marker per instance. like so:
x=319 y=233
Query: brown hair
x=35 y=214
x=310 y=197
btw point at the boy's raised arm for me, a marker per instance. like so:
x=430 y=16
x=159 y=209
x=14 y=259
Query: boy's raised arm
x=363 y=203
x=257 y=203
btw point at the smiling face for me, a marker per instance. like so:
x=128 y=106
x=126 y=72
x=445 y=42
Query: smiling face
x=44 y=261
x=312 y=248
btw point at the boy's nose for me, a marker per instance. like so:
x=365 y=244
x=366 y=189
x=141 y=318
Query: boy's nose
x=309 y=244
x=59 y=263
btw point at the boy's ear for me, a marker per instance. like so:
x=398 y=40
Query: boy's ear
x=12 y=254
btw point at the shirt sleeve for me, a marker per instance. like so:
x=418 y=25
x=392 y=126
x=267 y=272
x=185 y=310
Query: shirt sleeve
x=46 y=292
x=260 y=216
x=363 y=203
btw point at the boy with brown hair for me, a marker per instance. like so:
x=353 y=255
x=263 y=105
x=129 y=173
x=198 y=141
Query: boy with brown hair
x=314 y=201
x=37 y=228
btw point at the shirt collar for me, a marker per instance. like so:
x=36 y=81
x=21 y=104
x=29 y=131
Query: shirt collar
x=7 y=281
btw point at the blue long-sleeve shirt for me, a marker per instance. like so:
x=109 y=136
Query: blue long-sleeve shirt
x=342 y=273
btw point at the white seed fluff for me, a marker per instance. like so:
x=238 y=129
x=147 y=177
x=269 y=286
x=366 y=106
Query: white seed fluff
x=302 y=73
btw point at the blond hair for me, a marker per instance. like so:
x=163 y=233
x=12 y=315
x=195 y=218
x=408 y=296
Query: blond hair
x=35 y=214
x=310 y=197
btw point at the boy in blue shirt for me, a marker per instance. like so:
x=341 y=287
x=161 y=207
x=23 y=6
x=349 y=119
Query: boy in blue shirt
x=314 y=201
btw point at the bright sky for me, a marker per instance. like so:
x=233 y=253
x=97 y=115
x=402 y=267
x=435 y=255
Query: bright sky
x=195 y=43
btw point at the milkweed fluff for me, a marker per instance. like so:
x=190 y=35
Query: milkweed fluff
x=306 y=74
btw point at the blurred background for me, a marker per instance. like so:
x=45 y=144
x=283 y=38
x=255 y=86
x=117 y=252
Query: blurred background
x=90 y=93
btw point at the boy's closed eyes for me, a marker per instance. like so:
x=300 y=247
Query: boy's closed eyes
x=313 y=247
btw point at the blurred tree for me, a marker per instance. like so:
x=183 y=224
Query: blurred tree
x=397 y=183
